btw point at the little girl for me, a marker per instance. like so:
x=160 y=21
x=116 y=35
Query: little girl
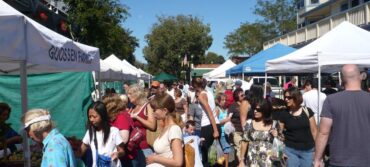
x=221 y=113
x=104 y=140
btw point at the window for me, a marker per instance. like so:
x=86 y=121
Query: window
x=355 y=3
x=300 y=4
x=344 y=7
x=314 y=1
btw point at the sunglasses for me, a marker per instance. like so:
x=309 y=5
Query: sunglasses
x=288 y=97
x=258 y=109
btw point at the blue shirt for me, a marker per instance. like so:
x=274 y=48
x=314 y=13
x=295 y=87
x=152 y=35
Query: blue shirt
x=57 y=151
x=222 y=114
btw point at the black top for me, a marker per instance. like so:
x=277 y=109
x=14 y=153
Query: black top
x=235 y=118
x=297 y=130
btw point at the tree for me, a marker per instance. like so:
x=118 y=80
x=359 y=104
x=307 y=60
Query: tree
x=213 y=58
x=278 y=15
x=97 y=23
x=247 y=39
x=171 y=39
x=278 y=18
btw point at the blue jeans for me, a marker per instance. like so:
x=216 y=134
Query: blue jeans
x=299 y=158
x=140 y=159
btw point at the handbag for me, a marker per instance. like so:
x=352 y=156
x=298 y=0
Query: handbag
x=136 y=137
x=101 y=160
x=189 y=154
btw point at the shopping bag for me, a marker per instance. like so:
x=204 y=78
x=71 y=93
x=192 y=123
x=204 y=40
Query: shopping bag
x=215 y=153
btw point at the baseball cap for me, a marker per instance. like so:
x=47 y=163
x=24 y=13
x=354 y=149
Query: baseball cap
x=238 y=82
x=155 y=84
x=229 y=84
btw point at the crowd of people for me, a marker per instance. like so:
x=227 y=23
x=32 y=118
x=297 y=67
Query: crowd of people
x=245 y=123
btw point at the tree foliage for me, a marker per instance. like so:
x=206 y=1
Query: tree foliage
x=172 y=38
x=247 y=39
x=97 y=23
x=279 y=15
x=213 y=58
x=278 y=18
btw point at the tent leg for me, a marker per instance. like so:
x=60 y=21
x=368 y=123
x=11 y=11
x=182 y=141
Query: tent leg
x=318 y=95
x=26 y=147
x=265 y=86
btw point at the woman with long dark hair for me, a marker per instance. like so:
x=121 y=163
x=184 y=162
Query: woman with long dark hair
x=259 y=133
x=104 y=140
x=299 y=127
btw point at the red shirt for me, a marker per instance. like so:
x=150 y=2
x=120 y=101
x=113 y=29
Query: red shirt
x=124 y=121
x=229 y=98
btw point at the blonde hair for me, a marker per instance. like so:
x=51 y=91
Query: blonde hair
x=138 y=92
x=38 y=127
x=114 y=105
x=164 y=100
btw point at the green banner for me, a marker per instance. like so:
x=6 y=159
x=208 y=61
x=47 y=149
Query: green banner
x=66 y=95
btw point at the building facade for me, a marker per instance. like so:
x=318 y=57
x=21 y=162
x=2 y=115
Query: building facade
x=317 y=17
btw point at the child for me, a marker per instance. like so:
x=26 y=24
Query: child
x=190 y=135
x=103 y=139
x=221 y=112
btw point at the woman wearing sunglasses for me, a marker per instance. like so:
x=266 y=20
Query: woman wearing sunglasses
x=259 y=133
x=299 y=128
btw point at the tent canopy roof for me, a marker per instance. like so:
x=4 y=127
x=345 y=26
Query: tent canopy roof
x=345 y=44
x=23 y=39
x=256 y=64
x=219 y=72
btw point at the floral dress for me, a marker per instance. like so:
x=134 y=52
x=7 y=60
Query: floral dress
x=259 y=145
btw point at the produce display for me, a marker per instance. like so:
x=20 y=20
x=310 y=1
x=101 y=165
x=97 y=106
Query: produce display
x=16 y=159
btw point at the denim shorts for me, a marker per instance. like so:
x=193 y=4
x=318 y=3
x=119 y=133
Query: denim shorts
x=225 y=144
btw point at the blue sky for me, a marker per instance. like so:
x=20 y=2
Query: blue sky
x=224 y=16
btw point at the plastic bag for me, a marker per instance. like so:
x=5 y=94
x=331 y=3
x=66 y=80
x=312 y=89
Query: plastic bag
x=277 y=150
x=215 y=153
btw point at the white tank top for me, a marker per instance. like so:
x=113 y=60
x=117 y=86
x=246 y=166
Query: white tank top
x=211 y=102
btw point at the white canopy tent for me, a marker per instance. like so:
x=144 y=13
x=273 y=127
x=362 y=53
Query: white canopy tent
x=108 y=72
x=115 y=62
x=345 y=44
x=28 y=47
x=220 y=71
x=139 y=72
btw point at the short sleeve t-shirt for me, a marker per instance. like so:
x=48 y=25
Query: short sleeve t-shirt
x=106 y=149
x=123 y=121
x=162 y=145
x=196 y=112
x=297 y=130
x=350 y=134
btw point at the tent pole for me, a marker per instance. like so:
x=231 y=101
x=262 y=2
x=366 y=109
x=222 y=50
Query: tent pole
x=97 y=74
x=23 y=78
x=319 y=88
x=265 y=87
x=243 y=76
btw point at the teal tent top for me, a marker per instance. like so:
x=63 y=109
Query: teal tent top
x=256 y=64
x=164 y=77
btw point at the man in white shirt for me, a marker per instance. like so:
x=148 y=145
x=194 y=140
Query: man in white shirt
x=310 y=97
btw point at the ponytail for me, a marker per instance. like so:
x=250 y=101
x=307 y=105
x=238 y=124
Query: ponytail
x=176 y=117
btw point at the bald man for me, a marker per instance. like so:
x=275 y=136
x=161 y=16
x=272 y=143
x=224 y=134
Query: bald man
x=346 y=119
